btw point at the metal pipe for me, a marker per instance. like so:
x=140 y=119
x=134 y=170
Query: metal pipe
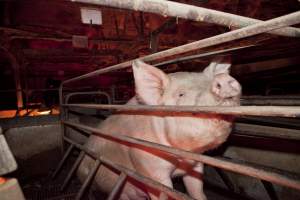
x=282 y=111
x=68 y=96
x=223 y=164
x=88 y=180
x=187 y=58
x=163 y=196
x=266 y=131
x=271 y=100
x=147 y=181
x=63 y=160
x=174 y=9
x=72 y=171
x=118 y=186
x=251 y=30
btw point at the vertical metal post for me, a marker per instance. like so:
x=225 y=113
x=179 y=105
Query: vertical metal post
x=270 y=190
x=88 y=180
x=62 y=116
x=63 y=160
x=74 y=167
x=118 y=186
x=16 y=68
x=225 y=179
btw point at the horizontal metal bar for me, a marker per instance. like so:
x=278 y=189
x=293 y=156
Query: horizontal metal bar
x=282 y=111
x=271 y=97
x=147 y=181
x=118 y=186
x=251 y=30
x=175 y=9
x=273 y=121
x=266 y=131
x=271 y=100
x=223 y=164
x=68 y=96
x=187 y=58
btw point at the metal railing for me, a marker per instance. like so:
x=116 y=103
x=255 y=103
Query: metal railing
x=263 y=174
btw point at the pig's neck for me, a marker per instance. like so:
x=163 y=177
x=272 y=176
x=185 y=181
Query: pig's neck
x=170 y=131
x=146 y=127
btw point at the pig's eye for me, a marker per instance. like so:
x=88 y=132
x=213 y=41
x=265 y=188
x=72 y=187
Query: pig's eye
x=181 y=94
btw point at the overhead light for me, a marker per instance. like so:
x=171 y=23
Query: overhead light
x=91 y=16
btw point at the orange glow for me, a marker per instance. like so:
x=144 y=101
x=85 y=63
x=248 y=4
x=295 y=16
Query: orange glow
x=2 y=180
x=27 y=112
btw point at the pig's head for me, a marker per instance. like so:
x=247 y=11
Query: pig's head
x=213 y=87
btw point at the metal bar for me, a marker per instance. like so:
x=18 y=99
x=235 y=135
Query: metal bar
x=73 y=169
x=266 y=131
x=251 y=30
x=174 y=9
x=289 y=122
x=63 y=160
x=271 y=97
x=187 y=58
x=88 y=180
x=271 y=100
x=68 y=96
x=270 y=190
x=163 y=196
x=226 y=180
x=118 y=186
x=168 y=191
x=281 y=111
x=227 y=165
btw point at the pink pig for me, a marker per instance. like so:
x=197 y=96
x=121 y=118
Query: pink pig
x=213 y=87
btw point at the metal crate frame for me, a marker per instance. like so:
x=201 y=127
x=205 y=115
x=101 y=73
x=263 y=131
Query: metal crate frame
x=252 y=27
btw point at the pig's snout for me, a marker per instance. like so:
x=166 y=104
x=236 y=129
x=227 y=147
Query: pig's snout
x=225 y=86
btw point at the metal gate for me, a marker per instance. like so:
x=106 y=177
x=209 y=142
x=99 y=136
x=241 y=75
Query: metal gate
x=168 y=8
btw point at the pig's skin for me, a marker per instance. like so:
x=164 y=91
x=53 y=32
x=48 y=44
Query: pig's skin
x=196 y=134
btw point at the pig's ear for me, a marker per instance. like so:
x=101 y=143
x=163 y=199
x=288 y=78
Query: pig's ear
x=150 y=83
x=217 y=67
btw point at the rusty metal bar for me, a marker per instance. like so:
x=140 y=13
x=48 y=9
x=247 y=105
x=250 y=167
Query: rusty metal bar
x=270 y=190
x=163 y=196
x=72 y=170
x=282 y=111
x=226 y=180
x=68 y=96
x=188 y=58
x=63 y=160
x=119 y=185
x=174 y=9
x=168 y=191
x=266 y=131
x=271 y=100
x=223 y=164
x=88 y=180
x=251 y=30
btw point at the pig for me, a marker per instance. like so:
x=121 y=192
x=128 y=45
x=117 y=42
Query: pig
x=212 y=87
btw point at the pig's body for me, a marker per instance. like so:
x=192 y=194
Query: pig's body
x=196 y=134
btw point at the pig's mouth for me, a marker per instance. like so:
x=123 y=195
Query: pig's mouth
x=230 y=101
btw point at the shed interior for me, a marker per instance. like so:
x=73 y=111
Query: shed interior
x=43 y=43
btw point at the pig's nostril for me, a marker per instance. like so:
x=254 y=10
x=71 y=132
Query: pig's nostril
x=218 y=85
